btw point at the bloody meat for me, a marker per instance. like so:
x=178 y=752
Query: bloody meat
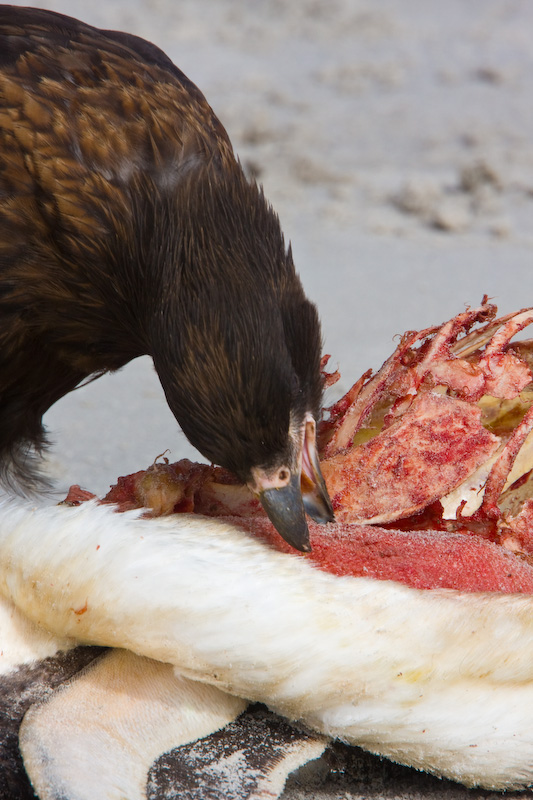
x=428 y=462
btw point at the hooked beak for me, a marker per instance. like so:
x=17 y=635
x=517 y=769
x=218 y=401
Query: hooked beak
x=286 y=494
x=285 y=510
x=314 y=491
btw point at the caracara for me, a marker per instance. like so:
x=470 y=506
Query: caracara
x=127 y=227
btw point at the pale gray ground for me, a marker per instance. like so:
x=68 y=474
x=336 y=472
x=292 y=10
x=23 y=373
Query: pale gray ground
x=395 y=140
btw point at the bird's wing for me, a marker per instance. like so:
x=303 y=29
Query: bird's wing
x=91 y=723
x=87 y=119
x=96 y=131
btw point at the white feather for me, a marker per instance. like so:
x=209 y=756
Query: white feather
x=438 y=679
x=22 y=641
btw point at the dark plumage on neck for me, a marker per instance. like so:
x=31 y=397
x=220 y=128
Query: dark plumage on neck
x=235 y=342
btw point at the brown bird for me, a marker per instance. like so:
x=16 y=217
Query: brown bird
x=127 y=227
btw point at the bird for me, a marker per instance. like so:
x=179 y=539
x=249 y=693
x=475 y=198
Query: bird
x=128 y=227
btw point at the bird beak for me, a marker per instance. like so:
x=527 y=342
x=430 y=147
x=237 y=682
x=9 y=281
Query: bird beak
x=285 y=510
x=286 y=494
x=314 y=491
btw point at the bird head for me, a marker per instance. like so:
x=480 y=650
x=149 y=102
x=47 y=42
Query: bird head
x=237 y=349
x=295 y=485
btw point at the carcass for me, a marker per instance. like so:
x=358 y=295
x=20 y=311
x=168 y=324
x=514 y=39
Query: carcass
x=409 y=627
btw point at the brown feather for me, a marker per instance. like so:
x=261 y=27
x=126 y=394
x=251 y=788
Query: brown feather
x=127 y=227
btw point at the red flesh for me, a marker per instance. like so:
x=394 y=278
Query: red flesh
x=427 y=438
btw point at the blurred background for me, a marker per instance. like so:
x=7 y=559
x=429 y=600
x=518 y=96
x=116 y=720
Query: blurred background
x=395 y=140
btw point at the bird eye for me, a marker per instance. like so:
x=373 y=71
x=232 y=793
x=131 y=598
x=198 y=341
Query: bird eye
x=284 y=475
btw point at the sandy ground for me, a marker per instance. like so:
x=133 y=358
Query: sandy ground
x=395 y=140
